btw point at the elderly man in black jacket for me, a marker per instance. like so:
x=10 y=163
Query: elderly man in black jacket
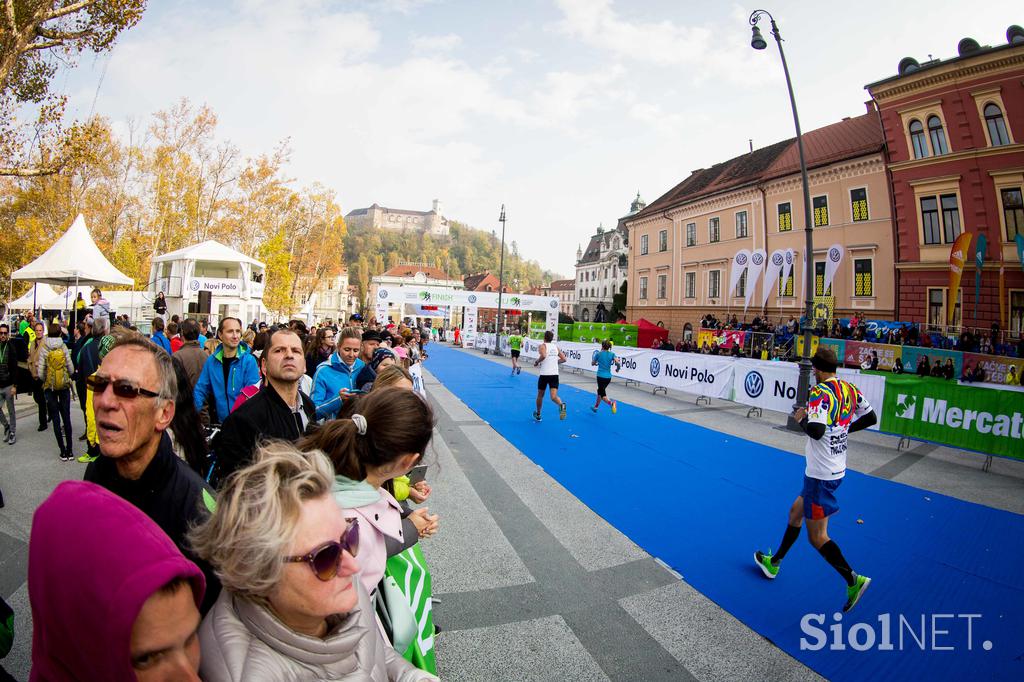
x=280 y=410
x=134 y=392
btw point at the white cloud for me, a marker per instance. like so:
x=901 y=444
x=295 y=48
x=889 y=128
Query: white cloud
x=434 y=44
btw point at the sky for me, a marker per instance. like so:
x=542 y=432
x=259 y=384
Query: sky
x=560 y=109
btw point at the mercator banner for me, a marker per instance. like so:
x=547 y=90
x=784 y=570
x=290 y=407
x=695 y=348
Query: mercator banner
x=986 y=420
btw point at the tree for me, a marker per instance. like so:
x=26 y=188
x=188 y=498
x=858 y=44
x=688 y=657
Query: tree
x=276 y=293
x=38 y=35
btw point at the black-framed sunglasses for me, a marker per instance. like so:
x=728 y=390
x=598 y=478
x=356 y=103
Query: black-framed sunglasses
x=122 y=387
x=325 y=560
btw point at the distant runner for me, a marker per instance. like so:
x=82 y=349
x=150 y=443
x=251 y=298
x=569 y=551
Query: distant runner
x=603 y=360
x=835 y=408
x=550 y=358
x=515 y=343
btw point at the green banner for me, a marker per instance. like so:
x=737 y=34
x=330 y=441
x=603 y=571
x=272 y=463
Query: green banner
x=983 y=419
x=409 y=569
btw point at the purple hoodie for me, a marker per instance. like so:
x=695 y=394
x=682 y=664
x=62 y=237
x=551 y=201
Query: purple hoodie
x=93 y=560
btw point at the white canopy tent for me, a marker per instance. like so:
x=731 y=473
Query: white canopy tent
x=37 y=297
x=71 y=260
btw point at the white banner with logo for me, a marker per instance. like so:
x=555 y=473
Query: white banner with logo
x=771 y=275
x=469 y=326
x=757 y=259
x=832 y=261
x=708 y=375
x=740 y=262
x=772 y=385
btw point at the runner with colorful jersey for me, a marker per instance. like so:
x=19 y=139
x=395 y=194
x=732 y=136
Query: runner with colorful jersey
x=835 y=409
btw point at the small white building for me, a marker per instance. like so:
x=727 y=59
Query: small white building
x=210 y=280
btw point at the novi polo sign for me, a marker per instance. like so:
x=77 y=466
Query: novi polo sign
x=220 y=286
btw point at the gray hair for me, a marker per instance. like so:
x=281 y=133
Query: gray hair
x=100 y=325
x=257 y=514
x=166 y=376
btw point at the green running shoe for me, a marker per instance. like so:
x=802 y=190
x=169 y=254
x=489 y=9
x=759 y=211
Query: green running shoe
x=86 y=459
x=764 y=562
x=856 y=591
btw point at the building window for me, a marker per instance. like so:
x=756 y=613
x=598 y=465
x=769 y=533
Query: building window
x=691 y=285
x=820 y=205
x=950 y=217
x=714 y=283
x=662 y=284
x=643 y=288
x=859 y=204
x=1013 y=212
x=691 y=234
x=741 y=224
x=819 y=280
x=862 y=284
x=786 y=286
x=937 y=136
x=996 y=125
x=741 y=286
x=1017 y=312
x=936 y=299
x=918 y=140
x=713 y=231
x=930 y=220
x=785 y=217
x=663 y=240
x=643 y=245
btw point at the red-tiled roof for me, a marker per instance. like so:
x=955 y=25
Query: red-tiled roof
x=411 y=270
x=847 y=139
x=474 y=282
x=563 y=285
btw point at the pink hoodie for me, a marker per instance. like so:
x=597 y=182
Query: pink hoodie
x=93 y=560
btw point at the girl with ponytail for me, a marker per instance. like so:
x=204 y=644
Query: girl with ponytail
x=385 y=436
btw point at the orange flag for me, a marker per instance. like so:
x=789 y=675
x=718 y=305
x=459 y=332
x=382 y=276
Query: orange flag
x=957 y=256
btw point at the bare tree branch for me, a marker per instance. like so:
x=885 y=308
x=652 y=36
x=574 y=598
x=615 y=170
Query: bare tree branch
x=69 y=9
x=28 y=172
x=9 y=13
x=62 y=35
x=43 y=46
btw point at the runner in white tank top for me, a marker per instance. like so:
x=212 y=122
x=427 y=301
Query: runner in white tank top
x=550 y=358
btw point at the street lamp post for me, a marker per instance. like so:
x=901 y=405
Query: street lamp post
x=758 y=42
x=501 y=284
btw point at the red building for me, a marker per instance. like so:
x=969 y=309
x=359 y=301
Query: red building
x=487 y=281
x=954 y=131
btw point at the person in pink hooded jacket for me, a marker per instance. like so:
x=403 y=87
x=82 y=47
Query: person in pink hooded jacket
x=132 y=614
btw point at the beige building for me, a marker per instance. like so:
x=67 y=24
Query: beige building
x=681 y=246
x=332 y=299
x=379 y=217
x=565 y=291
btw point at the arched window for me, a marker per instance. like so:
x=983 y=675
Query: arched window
x=917 y=139
x=996 y=125
x=937 y=135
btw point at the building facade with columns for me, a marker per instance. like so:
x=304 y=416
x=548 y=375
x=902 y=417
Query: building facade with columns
x=954 y=129
x=601 y=269
x=681 y=245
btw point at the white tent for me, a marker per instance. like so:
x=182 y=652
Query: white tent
x=73 y=259
x=42 y=295
x=209 y=250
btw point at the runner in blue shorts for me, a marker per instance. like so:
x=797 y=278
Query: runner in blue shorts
x=835 y=409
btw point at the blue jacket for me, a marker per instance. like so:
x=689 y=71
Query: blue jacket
x=210 y=387
x=161 y=340
x=330 y=377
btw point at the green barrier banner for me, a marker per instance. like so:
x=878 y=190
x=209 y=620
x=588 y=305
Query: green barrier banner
x=982 y=419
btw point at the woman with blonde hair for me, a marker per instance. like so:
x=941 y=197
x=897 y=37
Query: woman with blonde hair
x=292 y=605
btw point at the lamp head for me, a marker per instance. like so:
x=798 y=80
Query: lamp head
x=757 y=41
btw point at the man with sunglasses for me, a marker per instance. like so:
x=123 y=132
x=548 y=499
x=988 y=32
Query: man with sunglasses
x=8 y=383
x=280 y=410
x=134 y=391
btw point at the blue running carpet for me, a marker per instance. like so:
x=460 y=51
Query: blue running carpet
x=947 y=597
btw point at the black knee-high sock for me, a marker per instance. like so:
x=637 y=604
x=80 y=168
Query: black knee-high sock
x=792 y=533
x=830 y=551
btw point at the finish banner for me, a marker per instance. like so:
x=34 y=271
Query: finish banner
x=985 y=420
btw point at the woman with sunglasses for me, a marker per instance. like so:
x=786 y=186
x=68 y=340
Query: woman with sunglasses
x=292 y=607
